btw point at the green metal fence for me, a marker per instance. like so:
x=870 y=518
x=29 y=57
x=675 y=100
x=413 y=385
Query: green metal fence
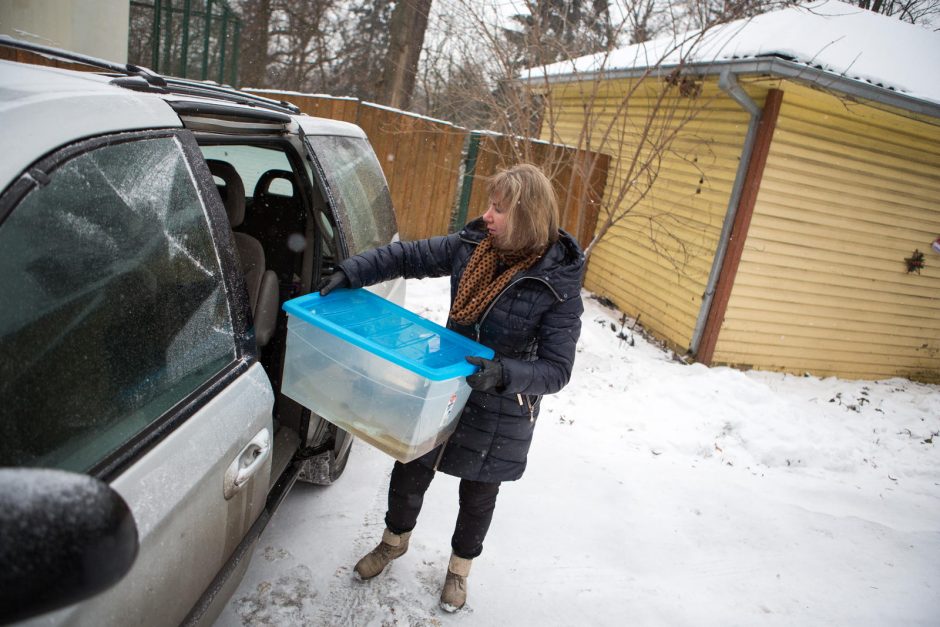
x=186 y=38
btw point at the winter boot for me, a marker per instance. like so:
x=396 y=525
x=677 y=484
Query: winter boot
x=391 y=547
x=454 y=594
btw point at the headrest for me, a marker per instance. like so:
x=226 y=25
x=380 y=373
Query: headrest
x=263 y=185
x=233 y=193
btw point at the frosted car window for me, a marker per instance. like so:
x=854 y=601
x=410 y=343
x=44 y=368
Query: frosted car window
x=114 y=309
x=358 y=190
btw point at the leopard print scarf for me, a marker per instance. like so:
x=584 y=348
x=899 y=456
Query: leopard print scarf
x=487 y=273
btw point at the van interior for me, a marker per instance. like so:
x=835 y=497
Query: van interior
x=286 y=242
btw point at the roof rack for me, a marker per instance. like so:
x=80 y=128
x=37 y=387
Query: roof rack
x=139 y=78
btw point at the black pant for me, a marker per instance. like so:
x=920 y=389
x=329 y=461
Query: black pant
x=477 y=502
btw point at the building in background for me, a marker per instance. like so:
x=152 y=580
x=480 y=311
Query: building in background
x=186 y=38
x=94 y=27
x=791 y=224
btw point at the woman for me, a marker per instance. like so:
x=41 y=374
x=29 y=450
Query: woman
x=515 y=287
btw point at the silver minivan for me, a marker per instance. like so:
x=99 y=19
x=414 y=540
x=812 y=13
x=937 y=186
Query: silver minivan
x=150 y=229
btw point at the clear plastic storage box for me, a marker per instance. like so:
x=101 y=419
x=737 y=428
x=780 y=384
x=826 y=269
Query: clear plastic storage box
x=381 y=372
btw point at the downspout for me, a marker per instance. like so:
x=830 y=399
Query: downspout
x=728 y=84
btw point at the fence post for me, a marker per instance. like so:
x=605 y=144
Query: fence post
x=184 y=57
x=235 y=44
x=470 y=166
x=155 y=37
x=168 y=38
x=222 y=43
x=205 y=41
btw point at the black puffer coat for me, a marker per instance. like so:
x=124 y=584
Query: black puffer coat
x=533 y=325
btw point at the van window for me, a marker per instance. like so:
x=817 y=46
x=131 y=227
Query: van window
x=357 y=187
x=251 y=162
x=113 y=304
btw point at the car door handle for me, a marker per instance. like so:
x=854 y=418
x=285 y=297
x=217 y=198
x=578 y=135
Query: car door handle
x=248 y=462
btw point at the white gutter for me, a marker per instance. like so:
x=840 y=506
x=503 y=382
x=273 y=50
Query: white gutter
x=728 y=84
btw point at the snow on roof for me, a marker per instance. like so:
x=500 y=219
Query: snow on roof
x=287 y=92
x=829 y=35
x=410 y=114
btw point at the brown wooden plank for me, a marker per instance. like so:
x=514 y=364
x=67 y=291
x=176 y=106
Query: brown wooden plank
x=26 y=56
x=742 y=220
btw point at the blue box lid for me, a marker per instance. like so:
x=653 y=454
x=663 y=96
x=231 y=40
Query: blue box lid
x=389 y=331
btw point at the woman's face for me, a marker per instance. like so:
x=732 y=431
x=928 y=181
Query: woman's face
x=496 y=219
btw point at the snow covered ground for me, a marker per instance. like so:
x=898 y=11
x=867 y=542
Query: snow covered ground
x=657 y=493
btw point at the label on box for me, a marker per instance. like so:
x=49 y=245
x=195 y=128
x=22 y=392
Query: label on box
x=449 y=410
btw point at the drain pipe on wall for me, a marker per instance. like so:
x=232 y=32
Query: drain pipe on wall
x=728 y=84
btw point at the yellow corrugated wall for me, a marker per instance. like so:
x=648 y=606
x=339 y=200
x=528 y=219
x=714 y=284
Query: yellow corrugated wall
x=849 y=191
x=655 y=263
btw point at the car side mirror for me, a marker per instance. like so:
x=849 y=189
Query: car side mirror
x=64 y=537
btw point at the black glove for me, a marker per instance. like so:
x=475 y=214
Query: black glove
x=330 y=283
x=488 y=378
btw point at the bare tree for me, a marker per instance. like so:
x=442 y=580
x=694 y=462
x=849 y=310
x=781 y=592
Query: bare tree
x=255 y=41
x=447 y=74
x=364 y=36
x=926 y=12
x=707 y=13
x=406 y=39
x=302 y=37
x=641 y=16
x=638 y=126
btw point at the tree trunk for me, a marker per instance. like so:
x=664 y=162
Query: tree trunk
x=406 y=39
x=256 y=21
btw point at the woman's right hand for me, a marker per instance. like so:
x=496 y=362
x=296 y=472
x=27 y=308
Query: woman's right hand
x=488 y=378
x=330 y=283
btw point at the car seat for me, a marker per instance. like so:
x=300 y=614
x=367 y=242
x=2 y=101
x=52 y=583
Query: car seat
x=278 y=219
x=261 y=282
x=263 y=186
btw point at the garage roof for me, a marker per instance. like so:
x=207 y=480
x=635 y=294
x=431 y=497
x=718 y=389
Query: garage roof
x=827 y=38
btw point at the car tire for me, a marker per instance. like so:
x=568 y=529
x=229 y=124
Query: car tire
x=327 y=467
x=340 y=453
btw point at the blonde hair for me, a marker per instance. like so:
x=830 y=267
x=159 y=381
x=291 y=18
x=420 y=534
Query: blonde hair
x=528 y=197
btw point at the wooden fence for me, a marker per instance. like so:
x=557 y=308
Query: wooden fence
x=425 y=161
x=27 y=56
x=422 y=162
x=578 y=177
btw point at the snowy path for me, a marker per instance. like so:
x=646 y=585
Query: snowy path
x=656 y=494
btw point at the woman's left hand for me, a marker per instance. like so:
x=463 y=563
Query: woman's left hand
x=488 y=378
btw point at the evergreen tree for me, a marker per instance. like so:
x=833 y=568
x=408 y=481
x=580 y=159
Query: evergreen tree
x=559 y=29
